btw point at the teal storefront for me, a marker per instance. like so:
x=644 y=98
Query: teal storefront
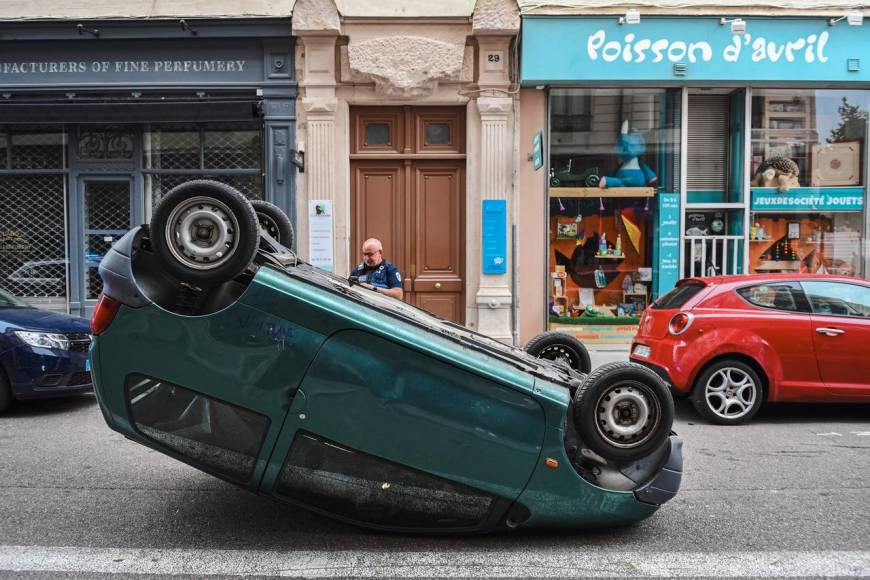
x=694 y=146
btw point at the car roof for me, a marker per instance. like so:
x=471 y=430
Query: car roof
x=746 y=279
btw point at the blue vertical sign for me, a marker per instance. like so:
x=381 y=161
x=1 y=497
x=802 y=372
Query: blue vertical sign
x=538 y=150
x=494 y=233
x=666 y=271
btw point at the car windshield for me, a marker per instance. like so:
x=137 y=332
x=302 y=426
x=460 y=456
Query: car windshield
x=9 y=301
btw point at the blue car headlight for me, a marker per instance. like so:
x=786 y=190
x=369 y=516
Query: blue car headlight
x=44 y=339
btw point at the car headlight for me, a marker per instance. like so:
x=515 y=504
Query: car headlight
x=44 y=339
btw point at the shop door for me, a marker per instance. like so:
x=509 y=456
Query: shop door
x=106 y=215
x=408 y=190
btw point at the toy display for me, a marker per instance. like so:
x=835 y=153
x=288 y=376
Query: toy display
x=779 y=172
x=835 y=164
x=633 y=172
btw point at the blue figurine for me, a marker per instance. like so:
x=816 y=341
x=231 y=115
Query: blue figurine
x=633 y=172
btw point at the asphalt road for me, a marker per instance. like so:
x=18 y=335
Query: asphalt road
x=786 y=496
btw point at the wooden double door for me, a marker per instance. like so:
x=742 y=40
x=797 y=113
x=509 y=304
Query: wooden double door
x=408 y=190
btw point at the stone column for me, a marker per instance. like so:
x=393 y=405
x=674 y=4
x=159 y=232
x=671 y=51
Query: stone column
x=494 y=300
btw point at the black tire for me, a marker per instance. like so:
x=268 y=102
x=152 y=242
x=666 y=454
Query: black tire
x=5 y=392
x=560 y=346
x=592 y=180
x=623 y=411
x=276 y=223
x=227 y=232
x=728 y=392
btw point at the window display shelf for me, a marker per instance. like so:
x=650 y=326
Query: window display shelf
x=598 y=192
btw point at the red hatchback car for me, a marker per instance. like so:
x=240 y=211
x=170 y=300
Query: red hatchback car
x=734 y=342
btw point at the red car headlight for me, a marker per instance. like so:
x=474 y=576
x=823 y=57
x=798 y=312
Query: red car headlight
x=680 y=323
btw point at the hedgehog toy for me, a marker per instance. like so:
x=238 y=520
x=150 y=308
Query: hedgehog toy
x=779 y=172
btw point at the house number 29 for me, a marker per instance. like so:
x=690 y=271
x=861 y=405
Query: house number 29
x=493 y=57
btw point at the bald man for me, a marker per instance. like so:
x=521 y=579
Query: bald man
x=377 y=274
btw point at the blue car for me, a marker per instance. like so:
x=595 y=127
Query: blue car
x=42 y=353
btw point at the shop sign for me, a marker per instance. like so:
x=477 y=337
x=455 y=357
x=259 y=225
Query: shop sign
x=667 y=230
x=494 y=242
x=129 y=63
x=805 y=49
x=538 y=150
x=809 y=199
x=320 y=252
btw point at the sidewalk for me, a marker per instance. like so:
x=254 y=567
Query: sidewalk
x=605 y=354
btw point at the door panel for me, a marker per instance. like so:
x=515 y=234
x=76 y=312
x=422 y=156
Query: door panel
x=438 y=240
x=424 y=414
x=841 y=333
x=377 y=206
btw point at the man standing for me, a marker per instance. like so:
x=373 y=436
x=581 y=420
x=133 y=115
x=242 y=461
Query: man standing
x=376 y=273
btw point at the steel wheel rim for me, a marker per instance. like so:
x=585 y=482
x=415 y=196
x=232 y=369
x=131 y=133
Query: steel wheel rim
x=627 y=414
x=730 y=393
x=201 y=233
x=558 y=352
x=270 y=226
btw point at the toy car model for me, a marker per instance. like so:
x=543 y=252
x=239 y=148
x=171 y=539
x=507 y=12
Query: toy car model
x=216 y=345
x=573 y=175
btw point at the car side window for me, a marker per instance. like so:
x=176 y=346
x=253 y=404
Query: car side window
x=779 y=296
x=838 y=298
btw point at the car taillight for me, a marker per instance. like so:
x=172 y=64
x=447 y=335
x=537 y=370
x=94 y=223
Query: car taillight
x=679 y=323
x=104 y=313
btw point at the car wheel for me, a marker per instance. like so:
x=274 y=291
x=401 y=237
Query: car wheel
x=728 y=393
x=5 y=392
x=205 y=232
x=623 y=411
x=561 y=347
x=274 y=221
x=592 y=180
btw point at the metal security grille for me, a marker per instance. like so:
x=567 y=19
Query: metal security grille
x=231 y=154
x=107 y=218
x=33 y=262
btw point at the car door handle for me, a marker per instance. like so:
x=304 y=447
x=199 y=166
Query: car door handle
x=830 y=331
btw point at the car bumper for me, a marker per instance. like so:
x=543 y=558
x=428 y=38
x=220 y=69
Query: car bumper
x=666 y=482
x=662 y=360
x=39 y=373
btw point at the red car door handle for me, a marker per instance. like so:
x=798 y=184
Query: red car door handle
x=830 y=331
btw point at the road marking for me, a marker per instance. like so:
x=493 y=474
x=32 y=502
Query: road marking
x=478 y=564
x=831 y=434
x=861 y=433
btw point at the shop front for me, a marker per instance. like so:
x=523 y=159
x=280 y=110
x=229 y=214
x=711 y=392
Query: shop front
x=98 y=122
x=688 y=146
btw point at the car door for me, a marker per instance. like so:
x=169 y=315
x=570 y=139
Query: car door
x=841 y=334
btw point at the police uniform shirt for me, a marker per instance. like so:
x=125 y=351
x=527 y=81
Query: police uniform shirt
x=384 y=275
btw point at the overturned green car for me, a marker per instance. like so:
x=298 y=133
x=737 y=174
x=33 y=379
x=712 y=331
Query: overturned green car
x=216 y=345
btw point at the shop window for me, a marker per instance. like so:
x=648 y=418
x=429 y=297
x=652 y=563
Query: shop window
x=807 y=243
x=210 y=433
x=611 y=152
x=35 y=148
x=228 y=152
x=808 y=156
x=809 y=138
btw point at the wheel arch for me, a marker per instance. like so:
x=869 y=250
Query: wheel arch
x=740 y=357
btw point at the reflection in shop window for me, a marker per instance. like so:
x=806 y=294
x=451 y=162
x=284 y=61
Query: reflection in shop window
x=809 y=147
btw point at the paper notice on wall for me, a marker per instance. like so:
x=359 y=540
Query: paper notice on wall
x=320 y=234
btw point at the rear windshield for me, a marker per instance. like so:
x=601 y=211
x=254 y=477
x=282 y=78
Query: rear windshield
x=678 y=296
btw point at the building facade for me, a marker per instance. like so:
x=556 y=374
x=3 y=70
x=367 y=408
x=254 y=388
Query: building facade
x=683 y=141
x=407 y=114
x=105 y=107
